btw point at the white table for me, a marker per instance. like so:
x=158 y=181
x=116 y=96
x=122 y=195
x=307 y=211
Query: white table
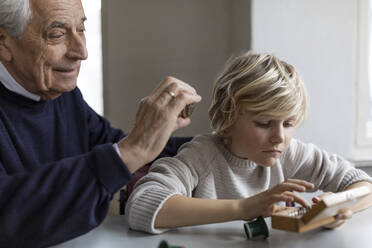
x=114 y=232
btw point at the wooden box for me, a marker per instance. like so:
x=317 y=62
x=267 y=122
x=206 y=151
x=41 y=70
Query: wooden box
x=298 y=219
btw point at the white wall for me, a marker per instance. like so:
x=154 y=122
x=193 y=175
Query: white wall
x=319 y=38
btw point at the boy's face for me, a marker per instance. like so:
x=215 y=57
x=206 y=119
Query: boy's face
x=260 y=138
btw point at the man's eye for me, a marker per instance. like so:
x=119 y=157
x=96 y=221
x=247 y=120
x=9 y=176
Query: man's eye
x=81 y=28
x=55 y=35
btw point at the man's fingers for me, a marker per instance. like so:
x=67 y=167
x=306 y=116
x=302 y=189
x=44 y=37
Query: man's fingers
x=182 y=122
x=170 y=86
x=172 y=96
x=164 y=84
x=178 y=103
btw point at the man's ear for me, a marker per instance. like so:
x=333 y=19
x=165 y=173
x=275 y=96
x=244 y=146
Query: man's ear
x=5 y=54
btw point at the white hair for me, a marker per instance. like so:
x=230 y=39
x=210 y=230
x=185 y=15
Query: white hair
x=14 y=16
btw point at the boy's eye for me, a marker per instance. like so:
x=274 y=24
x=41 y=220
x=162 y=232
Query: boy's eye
x=288 y=124
x=263 y=124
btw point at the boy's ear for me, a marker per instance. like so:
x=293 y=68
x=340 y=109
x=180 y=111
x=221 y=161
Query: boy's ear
x=5 y=54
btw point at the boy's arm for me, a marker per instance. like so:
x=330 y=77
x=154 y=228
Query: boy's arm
x=199 y=211
x=207 y=211
x=367 y=201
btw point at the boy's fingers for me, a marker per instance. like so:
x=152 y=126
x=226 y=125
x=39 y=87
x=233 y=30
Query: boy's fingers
x=304 y=183
x=287 y=186
x=344 y=214
x=334 y=224
x=298 y=199
x=318 y=198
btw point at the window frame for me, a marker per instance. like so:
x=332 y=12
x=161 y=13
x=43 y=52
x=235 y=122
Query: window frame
x=363 y=144
x=90 y=80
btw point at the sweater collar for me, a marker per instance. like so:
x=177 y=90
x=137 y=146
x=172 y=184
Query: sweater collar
x=11 y=84
x=231 y=158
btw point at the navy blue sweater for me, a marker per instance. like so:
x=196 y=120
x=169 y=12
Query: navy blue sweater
x=58 y=169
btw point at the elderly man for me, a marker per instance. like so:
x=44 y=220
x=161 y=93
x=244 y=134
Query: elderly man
x=60 y=162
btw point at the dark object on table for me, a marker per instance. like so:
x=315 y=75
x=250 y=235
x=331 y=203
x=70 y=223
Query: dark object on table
x=256 y=228
x=164 y=244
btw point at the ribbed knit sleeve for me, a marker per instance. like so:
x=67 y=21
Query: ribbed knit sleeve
x=167 y=177
x=144 y=208
x=59 y=201
x=328 y=172
x=58 y=169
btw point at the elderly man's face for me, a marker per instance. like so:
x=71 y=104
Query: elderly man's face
x=46 y=61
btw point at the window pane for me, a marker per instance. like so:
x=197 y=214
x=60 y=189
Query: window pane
x=90 y=78
x=369 y=121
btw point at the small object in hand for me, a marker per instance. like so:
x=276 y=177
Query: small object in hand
x=256 y=228
x=164 y=244
x=171 y=93
x=187 y=111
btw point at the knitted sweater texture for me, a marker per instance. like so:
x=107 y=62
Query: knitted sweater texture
x=58 y=168
x=204 y=168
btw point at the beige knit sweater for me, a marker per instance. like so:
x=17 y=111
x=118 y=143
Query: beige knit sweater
x=204 y=168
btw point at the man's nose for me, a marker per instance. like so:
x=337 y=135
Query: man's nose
x=77 y=47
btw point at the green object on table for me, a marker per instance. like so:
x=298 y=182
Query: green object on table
x=256 y=228
x=164 y=244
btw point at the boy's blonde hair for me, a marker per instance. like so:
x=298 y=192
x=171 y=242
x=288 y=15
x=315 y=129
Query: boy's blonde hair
x=260 y=84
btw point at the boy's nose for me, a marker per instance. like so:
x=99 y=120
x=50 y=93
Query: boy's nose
x=277 y=135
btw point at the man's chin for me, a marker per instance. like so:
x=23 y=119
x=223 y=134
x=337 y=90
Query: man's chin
x=52 y=94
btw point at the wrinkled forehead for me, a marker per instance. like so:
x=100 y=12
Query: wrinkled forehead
x=47 y=11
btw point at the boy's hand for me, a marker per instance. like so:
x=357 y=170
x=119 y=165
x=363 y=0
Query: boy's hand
x=263 y=204
x=342 y=214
